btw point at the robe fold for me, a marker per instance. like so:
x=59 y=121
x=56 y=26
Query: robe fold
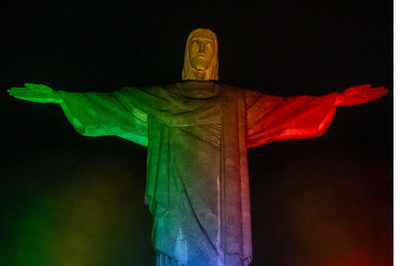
x=197 y=174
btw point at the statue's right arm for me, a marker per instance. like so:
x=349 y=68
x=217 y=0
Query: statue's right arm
x=37 y=93
x=92 y=114
x=40 y=93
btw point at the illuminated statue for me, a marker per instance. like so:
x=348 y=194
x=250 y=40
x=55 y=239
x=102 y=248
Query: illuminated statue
x=197 y=132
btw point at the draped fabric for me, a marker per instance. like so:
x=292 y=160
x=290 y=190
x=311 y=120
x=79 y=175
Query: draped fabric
x=197 y=175
x=165 y=260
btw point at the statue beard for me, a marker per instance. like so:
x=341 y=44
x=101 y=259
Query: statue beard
x=198 y=69
x=199 y=64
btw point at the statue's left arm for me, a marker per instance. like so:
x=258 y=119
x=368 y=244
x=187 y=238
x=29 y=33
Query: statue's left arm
x=359 y=95
x=272 y=118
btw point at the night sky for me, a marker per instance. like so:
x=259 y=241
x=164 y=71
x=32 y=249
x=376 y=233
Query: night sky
x=71 y=200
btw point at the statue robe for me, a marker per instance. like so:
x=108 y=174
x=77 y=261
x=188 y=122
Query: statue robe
x=197 y=172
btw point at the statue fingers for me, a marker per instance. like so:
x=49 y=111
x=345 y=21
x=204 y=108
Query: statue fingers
x=377 y=89
x=361 y=99
x=372 y=99
x=365 y=91
x=29 y=94
x=30 y=98
x=372 y=93
x=381 y=90
x=366 y=100
x=14 y=90
x=24 y=97
x=24 y=92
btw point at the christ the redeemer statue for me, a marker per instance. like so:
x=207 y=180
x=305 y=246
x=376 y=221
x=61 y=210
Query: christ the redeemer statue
x=197 y=132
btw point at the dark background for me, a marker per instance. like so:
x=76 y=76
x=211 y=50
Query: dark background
x=71 y=200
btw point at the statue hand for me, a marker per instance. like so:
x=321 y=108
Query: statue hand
x=360 y=94
x=37 y=93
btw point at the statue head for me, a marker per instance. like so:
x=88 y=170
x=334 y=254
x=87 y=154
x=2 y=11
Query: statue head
x=201 y=56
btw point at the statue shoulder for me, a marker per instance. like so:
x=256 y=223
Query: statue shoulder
x=151 y=89
x=238 y=90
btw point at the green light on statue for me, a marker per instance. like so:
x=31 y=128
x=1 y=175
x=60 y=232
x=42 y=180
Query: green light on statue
x=197 y=132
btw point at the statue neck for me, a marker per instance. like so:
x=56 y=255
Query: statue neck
x=194 y=74
x=200 y=90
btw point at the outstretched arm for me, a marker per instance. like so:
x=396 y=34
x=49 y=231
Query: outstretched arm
x=92 y=114
x=40 y=93
x=273 y=118
x=359 y=95
x=37 y=93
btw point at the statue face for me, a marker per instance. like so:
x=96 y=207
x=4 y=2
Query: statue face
x=201 y=50
x=201 y=56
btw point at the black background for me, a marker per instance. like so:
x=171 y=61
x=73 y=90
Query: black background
x=72 y=200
